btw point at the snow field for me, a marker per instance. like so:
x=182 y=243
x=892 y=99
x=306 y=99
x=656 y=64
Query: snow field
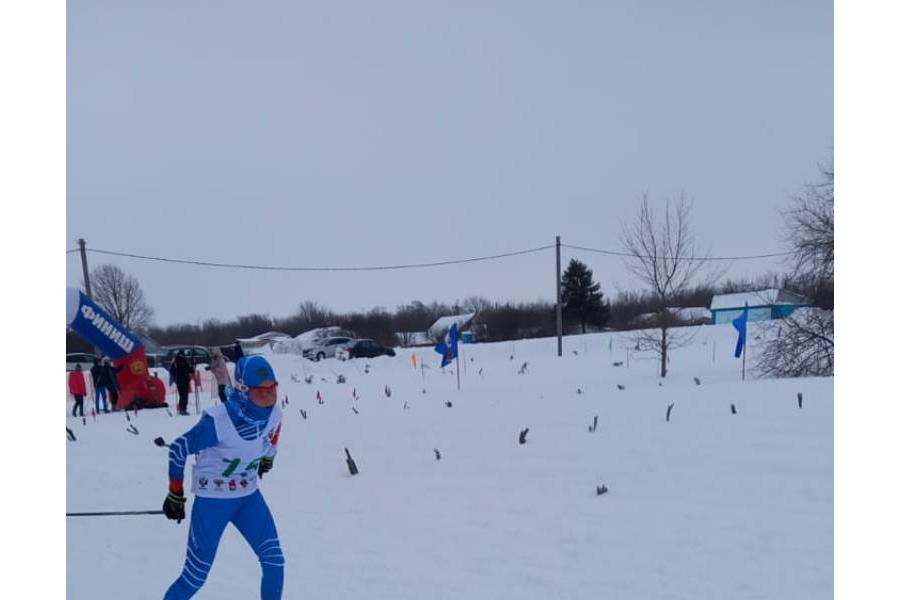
x=708 y=505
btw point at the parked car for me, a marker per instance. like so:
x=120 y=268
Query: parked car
x=326 y=348
x=157 y=360
x=364 y=349
x=85 y=359
x=194 y=354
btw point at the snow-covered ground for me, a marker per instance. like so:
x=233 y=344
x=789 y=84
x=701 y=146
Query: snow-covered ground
x=710 y=504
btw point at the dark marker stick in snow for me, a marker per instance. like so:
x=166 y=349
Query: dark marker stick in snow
x=733 y=410
x=437 y=454
x=669 y=412
x=70 y=434
x=351 y=464
x=602 y=489
x=593 y=428
x=799 y=399
x=522 y=435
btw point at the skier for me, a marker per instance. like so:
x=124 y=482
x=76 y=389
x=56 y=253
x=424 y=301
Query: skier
x=237 y=442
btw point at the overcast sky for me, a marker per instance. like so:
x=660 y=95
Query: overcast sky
x=346 y=134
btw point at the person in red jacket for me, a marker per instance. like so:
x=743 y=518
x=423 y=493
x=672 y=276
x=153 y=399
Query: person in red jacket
x=78 y=389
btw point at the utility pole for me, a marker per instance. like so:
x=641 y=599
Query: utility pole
x=84 y=267
x=558 y=303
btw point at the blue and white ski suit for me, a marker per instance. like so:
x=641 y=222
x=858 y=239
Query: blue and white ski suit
x=231 y=438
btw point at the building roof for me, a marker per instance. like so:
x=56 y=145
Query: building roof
x=769 y=297
x=443 y=325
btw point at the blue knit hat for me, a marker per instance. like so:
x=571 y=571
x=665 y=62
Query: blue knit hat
x=254 y=370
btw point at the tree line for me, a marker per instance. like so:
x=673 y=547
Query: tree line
x=584 y=309
x=661 y=252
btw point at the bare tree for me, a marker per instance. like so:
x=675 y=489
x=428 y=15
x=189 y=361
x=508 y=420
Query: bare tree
x=663 y=255
x=310 y=314
x=809 y=231
x=804 y=343
x=801 y=345
x=121 y=295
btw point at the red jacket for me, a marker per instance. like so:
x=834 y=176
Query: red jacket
x=76 y=383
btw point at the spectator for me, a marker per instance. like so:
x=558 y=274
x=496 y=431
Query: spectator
x=109 y=380
x=182 y=372
x=78 y=389
x=220 y=371
x=99 y=387
x=238 y=351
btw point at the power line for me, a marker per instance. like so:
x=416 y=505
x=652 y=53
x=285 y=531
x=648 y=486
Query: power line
x=408 y=266
x=271 y=268
x=628 y=254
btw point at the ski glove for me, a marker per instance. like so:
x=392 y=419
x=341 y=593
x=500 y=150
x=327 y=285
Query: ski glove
x=174 y=506
x=265 y=465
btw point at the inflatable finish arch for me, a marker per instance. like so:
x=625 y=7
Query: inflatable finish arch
x=138 y=388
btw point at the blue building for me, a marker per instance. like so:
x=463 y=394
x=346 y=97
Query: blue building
x=763 y=304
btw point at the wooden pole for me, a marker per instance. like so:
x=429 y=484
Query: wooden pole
x=744 y=361
x=558 y=303
x=84 y=268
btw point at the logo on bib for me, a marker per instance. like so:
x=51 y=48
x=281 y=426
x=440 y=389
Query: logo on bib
x=232 y=485
x=203 y=481
x=244 y=483
x=218 y=483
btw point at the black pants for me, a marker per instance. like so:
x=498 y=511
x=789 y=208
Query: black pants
x=79 y=405
x=222 y=396
x=183 y=392
x=113 y=397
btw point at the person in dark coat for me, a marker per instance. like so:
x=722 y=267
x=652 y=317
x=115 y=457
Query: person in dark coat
x=182 y=372
x=99 y=388
x=109 y=381
x=238 y=351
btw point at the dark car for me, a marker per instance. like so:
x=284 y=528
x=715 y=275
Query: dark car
x=194 y=354
x=79 y=358
x=367 y=349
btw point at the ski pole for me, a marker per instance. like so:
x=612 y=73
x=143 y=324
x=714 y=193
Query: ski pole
x=114 y=513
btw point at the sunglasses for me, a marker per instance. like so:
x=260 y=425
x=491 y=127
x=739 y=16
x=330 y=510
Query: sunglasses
x=266 y=388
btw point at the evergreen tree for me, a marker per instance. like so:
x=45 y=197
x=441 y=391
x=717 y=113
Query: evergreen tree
x=581 y=298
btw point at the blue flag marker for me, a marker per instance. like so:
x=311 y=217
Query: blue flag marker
x=740 y=323
x=447 y=347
